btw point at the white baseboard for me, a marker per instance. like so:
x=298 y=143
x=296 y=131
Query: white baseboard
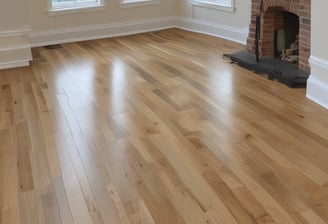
x=14 y=64
x=15 y=49
x=61 y=36
x=201 y=26
x=317 y=85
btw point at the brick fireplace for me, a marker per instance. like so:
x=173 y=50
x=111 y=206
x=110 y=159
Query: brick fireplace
x=274 y=14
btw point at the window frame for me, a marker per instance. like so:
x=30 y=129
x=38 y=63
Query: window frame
x=213 y=5
x=136 y=3
x=69 y=8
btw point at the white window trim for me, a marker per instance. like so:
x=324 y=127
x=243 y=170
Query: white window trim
x=136 y=3
x=210 y=5
x=78 y=8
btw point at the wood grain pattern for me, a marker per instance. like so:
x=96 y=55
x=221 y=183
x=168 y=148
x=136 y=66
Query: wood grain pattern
x=157 y=128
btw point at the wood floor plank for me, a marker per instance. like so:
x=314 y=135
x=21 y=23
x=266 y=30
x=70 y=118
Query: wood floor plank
x=10 y=203
x=140 y=213
x=118 y=204
x=62 y=201
x=78 y=206
x=2 y=183
x=24 y=147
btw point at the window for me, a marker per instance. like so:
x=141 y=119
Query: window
x=62 y=6
x=225 y=5
x=134 y=3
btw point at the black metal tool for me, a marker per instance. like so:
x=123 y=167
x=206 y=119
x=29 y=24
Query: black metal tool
x=258 y=33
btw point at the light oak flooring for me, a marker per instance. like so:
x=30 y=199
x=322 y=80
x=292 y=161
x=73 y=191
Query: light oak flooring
x=157 y=128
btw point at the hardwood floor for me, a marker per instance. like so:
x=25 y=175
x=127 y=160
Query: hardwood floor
x=157 y=128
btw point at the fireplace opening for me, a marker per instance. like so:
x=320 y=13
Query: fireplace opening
x=280 y=35
x=291 y=16
x=286 y=37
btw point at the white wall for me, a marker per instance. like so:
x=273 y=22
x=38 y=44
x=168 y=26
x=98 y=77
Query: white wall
x=317 y=89
x=40 y=20
x=14 y=42
x=230 y=25
x=12 y=16
x=319 y=35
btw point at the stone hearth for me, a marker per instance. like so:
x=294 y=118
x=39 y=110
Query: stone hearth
x=272 y=21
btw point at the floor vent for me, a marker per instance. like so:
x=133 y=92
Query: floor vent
x=55 y=46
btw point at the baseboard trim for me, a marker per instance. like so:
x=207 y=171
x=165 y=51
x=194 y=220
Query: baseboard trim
x=213 y=29
x=12 y=33
x=317 y=85
x=15 y=49
x=18 y=56
x=100 y=31
x=61 y=36
x=14 y=64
